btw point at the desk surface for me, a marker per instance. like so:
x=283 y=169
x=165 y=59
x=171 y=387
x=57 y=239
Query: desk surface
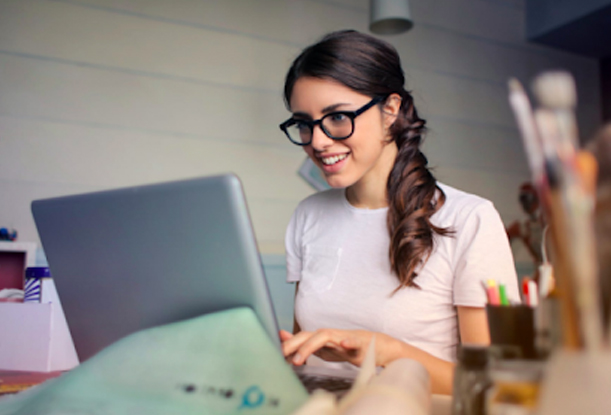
x=441 y=405
x=12 y=381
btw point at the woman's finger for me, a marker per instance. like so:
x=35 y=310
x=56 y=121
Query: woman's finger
x=333 y=355
x=318 y=340
x=285 y=335
x=292 y=344
x=352 y=343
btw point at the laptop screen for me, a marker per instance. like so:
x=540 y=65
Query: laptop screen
x=133 y=258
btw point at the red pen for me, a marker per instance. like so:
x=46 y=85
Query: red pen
x=525 y=291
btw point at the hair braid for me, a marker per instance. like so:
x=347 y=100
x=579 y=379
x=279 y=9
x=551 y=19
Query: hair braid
x=413 y=197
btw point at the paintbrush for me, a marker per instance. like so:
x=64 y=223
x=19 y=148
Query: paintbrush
x=543 y=171
x=556 y=91
x=559 y=234
x=522 y=110
x=573 y=203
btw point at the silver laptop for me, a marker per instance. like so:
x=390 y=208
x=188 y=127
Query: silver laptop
x=128 y=259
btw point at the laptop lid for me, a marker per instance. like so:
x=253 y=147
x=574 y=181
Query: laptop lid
x=128 y=259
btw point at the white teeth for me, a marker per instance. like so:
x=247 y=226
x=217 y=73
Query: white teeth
x=327 y=161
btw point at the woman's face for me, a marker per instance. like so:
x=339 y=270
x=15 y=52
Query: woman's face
x=366 y=154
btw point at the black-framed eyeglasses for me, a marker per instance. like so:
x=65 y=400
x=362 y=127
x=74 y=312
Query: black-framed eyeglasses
x=337 y=125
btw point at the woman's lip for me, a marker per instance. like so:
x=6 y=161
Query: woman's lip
x=324 y=156
x=334 y=168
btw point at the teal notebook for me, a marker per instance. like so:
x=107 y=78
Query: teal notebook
x=218 y=364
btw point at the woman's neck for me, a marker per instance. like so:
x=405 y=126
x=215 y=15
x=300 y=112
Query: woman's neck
x=370 y=191
x=367 y=197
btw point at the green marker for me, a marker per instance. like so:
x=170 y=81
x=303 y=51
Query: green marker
x=503 y=295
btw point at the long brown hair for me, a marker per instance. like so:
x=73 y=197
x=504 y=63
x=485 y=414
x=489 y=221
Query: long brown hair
x=372 y=67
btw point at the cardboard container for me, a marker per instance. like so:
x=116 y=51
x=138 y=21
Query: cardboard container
x=35 y=336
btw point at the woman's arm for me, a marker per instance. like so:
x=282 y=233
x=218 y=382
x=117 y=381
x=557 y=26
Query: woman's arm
x=296 y=328
x=473 y=326
x=351 y=346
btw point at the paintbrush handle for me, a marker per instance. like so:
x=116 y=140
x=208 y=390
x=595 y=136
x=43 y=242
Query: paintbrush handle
x=564 y=286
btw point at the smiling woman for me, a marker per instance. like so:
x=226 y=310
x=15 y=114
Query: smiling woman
x=388 y=251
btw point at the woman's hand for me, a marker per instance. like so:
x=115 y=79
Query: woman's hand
x=336 y=345
x=351 y=346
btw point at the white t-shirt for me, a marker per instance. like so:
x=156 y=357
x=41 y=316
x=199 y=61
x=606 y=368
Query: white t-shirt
x=340 y=256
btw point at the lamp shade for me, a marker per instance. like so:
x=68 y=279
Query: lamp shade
x=389 y=17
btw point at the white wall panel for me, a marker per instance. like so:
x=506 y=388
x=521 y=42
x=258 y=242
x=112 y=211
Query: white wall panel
x=293 y=22
x=460 y=98
x=18 y=195
x=474 y=147
x=124 y=42
x=500 y=188
x=289 y=19
x=428 y=48
x=106 y=158
x=82 y=94
x=97 y=94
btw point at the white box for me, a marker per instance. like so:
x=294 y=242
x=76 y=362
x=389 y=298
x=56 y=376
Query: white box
x=28 y=248
x=9 y=273
x=35 y=337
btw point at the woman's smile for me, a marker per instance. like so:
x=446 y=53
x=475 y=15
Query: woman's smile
x=332 y=163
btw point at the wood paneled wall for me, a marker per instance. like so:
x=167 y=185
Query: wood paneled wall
x=96 y=94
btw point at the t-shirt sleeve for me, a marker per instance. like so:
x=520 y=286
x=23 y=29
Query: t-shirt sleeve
x=292 y=243
x=482 y=253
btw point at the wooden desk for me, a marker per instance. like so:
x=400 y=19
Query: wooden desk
x=441 y=405
x=13 y=381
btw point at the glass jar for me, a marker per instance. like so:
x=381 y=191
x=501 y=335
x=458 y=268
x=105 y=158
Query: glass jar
x=33 y=283
x=515 y=387
x=471 y=381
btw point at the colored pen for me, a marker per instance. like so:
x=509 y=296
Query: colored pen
x=493 y=293
x=503 y=294
x=525 y=291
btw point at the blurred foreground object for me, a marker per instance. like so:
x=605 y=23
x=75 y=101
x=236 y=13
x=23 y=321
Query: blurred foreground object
x=600 y=147
x=577 y=375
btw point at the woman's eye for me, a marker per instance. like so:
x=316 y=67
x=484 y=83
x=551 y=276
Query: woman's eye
x=338 y=118
x=302 y=126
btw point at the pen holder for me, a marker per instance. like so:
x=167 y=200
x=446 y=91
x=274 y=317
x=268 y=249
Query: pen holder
x=513 y=326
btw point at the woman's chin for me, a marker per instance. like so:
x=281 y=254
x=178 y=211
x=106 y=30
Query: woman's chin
x=337 y=182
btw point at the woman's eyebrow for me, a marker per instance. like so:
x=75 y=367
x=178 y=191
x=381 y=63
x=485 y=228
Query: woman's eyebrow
x=333 y=107
x=325 y=110
x=302 y=115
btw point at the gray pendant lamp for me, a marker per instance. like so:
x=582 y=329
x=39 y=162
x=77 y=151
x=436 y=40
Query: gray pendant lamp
x=389 y=17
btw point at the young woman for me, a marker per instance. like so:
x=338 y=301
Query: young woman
x=388 y=251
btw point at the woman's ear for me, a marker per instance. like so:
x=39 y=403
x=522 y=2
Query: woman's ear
x=391 y=109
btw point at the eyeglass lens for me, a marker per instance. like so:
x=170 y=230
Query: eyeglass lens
x=335 y=125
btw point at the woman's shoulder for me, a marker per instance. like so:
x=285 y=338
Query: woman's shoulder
x=460 y=204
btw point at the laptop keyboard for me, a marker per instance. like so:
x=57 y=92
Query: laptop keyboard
x=328 y=383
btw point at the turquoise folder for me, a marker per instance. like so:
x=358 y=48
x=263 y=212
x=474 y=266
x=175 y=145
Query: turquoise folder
x=218 y=364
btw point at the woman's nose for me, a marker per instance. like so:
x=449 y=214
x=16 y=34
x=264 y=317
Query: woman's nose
x=320 y=140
